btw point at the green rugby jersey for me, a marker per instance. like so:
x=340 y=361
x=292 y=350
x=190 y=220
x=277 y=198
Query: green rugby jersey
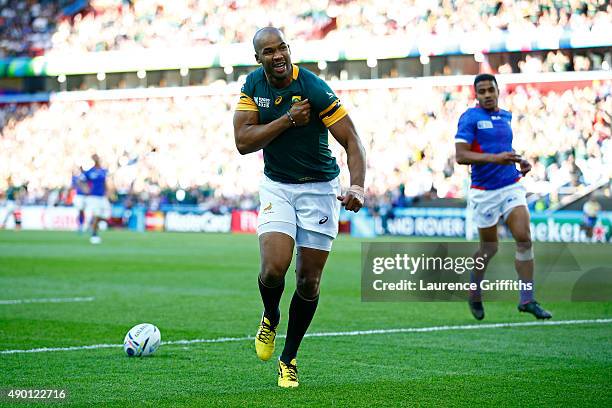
x=13 y=192
x=299 y=154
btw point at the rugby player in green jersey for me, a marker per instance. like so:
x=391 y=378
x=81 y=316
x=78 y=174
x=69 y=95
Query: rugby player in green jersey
x=287 y=111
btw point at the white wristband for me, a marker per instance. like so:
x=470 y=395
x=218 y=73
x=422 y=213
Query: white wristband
x=358 y=191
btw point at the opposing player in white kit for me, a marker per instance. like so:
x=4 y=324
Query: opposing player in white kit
x=287 y=111
x=484 y=141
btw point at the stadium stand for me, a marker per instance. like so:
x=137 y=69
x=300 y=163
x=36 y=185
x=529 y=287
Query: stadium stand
x=35 y=27
x=180 y=146
x=158 y=145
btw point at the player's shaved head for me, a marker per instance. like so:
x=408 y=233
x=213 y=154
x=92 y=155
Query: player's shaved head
x=274 y=55
x=265 y=33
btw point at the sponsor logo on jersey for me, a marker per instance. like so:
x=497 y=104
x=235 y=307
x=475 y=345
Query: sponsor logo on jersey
x=268 y=208
x=295 y=98
x=323 y=220
x=484 y=124
x=262 y=102
x=278 y=100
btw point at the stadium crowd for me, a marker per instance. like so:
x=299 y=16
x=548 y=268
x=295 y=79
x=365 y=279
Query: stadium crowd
x=34 y=27
x=154 y=147
x=558 y=61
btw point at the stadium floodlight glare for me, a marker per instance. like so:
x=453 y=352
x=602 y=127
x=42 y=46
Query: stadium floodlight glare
x=322 y=65
x=228 y=69
x=61 y=78
x=184 y=71
x=180 y=195
x=372 y=62
x=424 y=59
x=101 y=76
x=141 y=74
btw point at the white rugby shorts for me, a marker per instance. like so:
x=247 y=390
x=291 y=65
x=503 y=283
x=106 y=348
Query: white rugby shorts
x=10 y=205
x=78 y=201
x=98 y=206
x=300 y=210
x=488 y=206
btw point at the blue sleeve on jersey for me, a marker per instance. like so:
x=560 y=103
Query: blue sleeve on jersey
x=466 y=129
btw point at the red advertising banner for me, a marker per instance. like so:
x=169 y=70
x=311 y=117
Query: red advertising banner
x=154 y=221
x=344 y=227
x=244 y=221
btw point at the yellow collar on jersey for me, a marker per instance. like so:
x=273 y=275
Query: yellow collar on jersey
x=296 y=71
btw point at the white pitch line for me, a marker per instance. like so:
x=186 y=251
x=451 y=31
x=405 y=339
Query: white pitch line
x=47 y=300
x=332 y=334
x=459 y=327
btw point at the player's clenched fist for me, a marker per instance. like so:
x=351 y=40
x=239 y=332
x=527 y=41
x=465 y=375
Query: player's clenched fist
x=354 y=198
x=300 y=113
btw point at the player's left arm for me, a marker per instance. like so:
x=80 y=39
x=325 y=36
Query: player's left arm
x=335 y=117
x=524 y=165
x=345 y=133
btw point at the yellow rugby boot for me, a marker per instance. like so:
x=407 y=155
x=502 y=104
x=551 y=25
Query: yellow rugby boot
x=287 y=374
x=264 y=339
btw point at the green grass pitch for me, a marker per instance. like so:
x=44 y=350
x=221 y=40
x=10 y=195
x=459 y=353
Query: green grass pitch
x=203 y=286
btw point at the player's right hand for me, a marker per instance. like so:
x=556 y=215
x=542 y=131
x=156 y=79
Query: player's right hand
x=507 y=158
x=300 y=111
